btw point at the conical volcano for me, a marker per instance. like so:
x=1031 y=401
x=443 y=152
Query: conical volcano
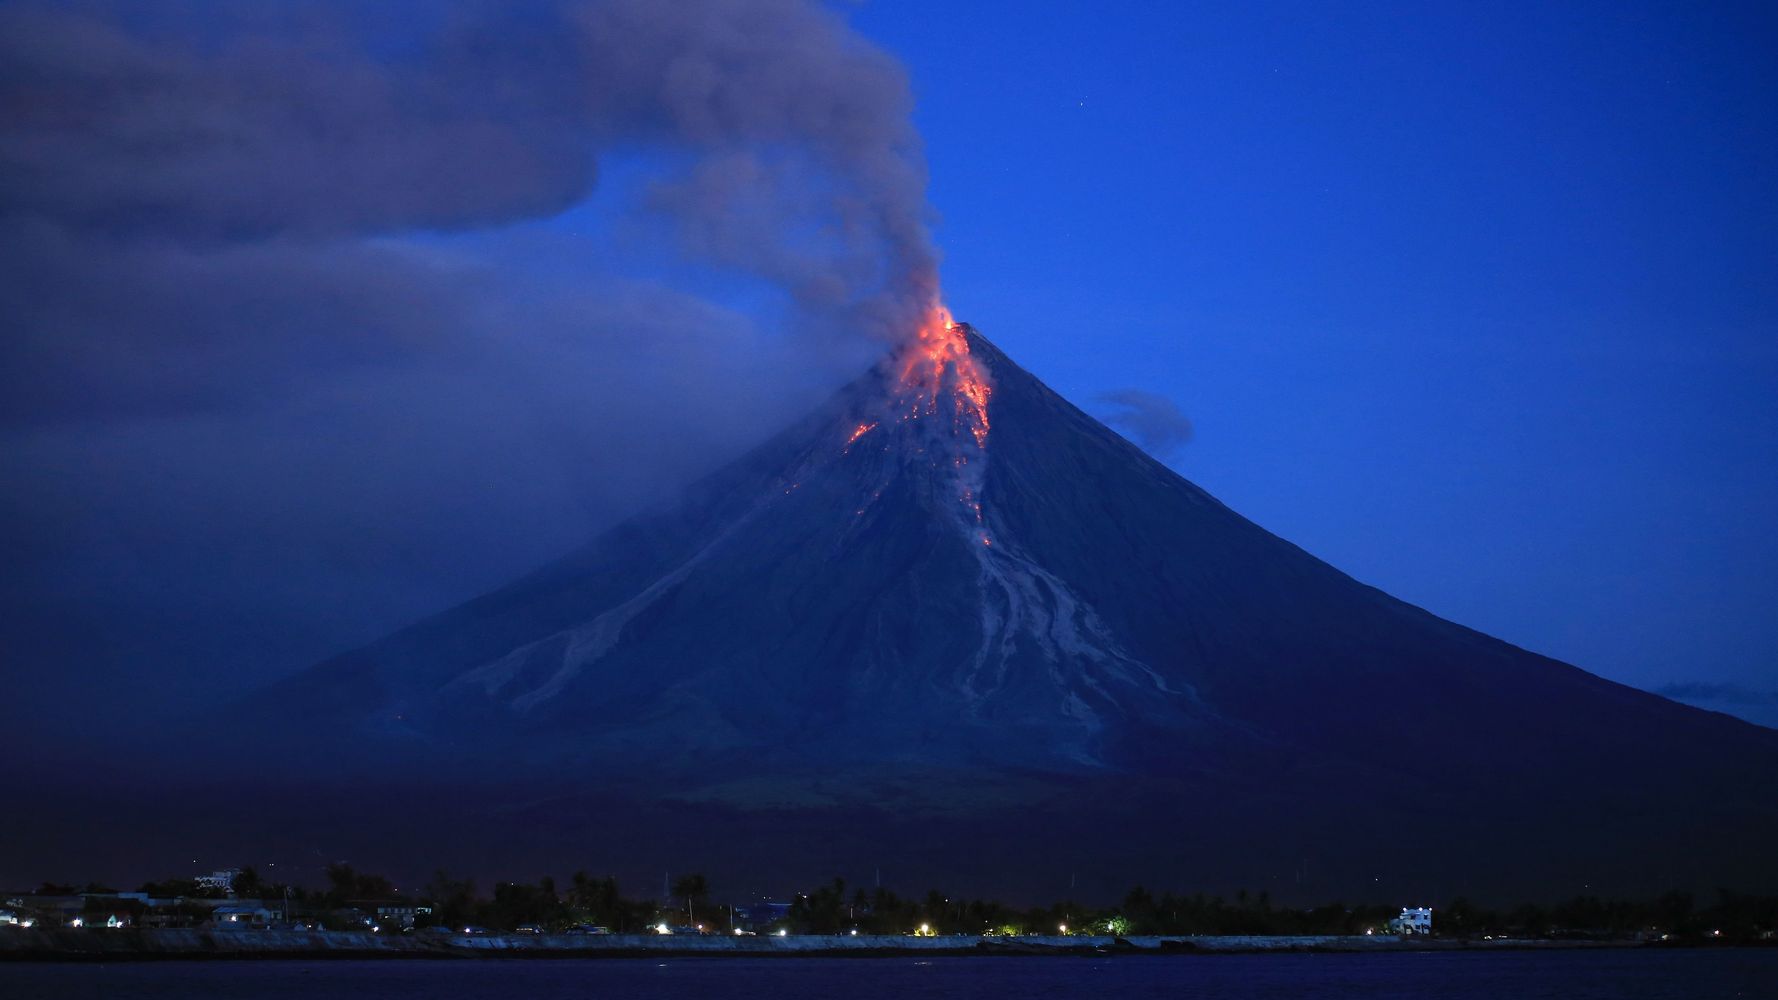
x=949 y=591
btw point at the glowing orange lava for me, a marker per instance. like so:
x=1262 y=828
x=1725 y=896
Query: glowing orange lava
x=939 y=362
x=936 y=367
x=861 y=431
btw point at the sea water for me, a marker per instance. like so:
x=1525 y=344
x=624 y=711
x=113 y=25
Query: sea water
x=1607 y=974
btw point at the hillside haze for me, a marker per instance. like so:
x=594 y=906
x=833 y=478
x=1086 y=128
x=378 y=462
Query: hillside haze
x=948 y=604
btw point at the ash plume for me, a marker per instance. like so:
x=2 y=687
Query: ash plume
x=258 y=259
x=785 y=139
x=808 y=168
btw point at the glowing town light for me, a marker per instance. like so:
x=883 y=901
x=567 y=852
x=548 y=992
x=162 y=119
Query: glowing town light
x=1064 y=930
x=782 y=932
x=661 y=929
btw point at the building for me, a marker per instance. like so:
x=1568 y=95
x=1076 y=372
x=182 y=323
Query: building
x=759 y=916
x=243 y=916
x=48 y=911
x=1413 y=920
x=397 y=914
x=223 y=880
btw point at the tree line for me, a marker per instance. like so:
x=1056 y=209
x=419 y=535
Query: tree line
x=834 y=908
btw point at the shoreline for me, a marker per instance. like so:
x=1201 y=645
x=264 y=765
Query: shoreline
x=90 y=945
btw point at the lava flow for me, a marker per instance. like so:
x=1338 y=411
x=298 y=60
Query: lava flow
x=936 y=368
x=938 y=361
x=860 y=431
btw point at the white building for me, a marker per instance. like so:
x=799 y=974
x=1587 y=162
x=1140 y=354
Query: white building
x=223 y=880
x=1413 y=920
x=243 y=916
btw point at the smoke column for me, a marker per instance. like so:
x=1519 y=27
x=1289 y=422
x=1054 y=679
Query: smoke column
x=785 y=137
x=269 y=367
x=809 y=171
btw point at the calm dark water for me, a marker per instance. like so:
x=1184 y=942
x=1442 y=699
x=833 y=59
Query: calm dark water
x=1608 y=975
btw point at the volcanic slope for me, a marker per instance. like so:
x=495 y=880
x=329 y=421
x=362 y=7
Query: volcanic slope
x=948 y=570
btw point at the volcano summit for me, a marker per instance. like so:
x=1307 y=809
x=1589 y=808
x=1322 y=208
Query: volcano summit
x=949 y=607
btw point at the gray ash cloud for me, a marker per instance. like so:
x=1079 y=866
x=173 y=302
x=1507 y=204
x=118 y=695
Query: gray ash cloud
x=1153 y=420
x=269 y=339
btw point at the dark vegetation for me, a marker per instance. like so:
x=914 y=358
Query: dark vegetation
x=351 y=897
x=1731 y=917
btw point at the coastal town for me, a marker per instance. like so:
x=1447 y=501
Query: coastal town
x=241 y=911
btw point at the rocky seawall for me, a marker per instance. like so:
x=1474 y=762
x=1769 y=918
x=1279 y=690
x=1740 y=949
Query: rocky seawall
x=69 y=944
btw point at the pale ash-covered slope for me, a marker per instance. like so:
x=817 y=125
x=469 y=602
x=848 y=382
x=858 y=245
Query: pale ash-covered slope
x=875 y=588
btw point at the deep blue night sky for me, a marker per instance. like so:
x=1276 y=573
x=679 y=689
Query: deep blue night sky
x=1479 y=303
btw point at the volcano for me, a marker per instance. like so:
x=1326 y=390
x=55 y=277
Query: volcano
x=949 y=608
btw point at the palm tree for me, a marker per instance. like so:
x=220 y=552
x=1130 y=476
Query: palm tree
x=693 y=889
